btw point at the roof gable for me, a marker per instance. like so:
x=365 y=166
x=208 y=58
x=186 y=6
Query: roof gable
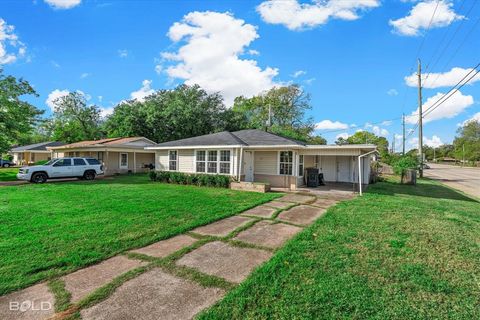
x=42 y=146
x=255 y=137
x=223 y=138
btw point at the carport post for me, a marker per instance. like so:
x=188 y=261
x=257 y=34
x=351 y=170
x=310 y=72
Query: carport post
x=134 y=162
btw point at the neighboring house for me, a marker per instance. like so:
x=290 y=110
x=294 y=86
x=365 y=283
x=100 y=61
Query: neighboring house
x=32 y=153
x=118 y=155
x=259 y=156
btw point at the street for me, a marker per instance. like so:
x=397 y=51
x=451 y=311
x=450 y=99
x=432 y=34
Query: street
x=464 y=179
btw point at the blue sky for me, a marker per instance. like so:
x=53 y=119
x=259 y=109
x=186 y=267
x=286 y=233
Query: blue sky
x=352 y=56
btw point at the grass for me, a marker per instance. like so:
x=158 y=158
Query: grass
x=52 y=229
x=8 y=174
x=398 y=252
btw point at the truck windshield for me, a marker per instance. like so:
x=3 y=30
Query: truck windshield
x=50 y=162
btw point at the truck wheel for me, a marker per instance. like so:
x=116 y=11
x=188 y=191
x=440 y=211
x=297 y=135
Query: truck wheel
x=39 y=177
x=6 y=165
x=89 y=175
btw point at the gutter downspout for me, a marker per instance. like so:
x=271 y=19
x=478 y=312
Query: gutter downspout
x=360 y=169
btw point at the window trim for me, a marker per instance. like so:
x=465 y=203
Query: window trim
x=292 y=163
x=120 y=161
x=218 y=162
x=301 y=163
x=176 y=159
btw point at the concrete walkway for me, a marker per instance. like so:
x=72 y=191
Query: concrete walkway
x=175 y=278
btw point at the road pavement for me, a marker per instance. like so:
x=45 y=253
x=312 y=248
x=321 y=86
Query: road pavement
x=464 y=179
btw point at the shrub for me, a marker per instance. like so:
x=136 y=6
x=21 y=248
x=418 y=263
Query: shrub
x=403 y=163
x=208 y=180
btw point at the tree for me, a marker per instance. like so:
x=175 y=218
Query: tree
x=468 y=138
x=365 y=137
x=74 y=120
x=287 y=117
x=17 y=117
x=166 y=115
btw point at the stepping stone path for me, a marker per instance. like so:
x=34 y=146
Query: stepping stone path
x=84 y=281
x=223 y=260
x=303 y=215
x=157 y=294
x=266 y=234
x=223 y=227
x=279 y=204
x=297 y=198
x=35 y=302
x=165 y=248
x=154 y=295
x=260 y=211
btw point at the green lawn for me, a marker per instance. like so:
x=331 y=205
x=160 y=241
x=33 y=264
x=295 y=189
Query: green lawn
x=8 y=174
x=51 y=229
x=398 y=252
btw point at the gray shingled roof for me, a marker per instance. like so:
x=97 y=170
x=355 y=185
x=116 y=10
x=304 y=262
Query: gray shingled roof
x=42 y=146
x=250 y=137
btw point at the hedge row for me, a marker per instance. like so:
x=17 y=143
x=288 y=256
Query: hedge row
x=208 y=180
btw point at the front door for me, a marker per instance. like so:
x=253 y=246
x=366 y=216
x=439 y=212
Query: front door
x=248 y=163
x=343 y=169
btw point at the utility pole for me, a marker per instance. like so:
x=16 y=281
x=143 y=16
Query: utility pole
x=403 y=139
x=420 y=118
x=463 y=154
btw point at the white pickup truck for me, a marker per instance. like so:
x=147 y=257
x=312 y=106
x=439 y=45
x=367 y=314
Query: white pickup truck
x=82 y=168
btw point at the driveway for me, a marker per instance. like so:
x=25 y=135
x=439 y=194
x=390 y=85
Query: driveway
x=464 y=179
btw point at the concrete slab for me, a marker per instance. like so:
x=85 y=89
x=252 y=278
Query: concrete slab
x=32 y=303
x=324 y=203
x=266 y=234
x=84 y=281
x=223 y=227
x=223 y=260
x=297 y=198
x=260 y=211
x=303 y=215
x=279 y=204
x=166 y=247
x=154 y=295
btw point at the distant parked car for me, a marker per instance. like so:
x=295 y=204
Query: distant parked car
x=6 y=163
x=82 y=168
x=426 y=166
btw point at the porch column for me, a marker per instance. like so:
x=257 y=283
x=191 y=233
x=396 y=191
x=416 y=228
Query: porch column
x=134 y=162
x=106 y=163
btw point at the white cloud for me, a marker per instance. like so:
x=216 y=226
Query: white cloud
x=158 y=68
x=63 y=4
x=143 y=92
x=392 y=92
x=476 y=117
x=456 y=104
x=434 y=142
x=445 y=79
x=54 y=64
x=298 y=16
x=420 y=16
x=382 y=132
x=53 y=96
x=123 y=53
x=100 y=98
x=298 y=73
x=387 y=123
x=85 y=75
x=330 y=125
x=210 y=55
x=343 y=135
x=9 y=43
x=105 y=112
x=309 y=81
x=253 y=52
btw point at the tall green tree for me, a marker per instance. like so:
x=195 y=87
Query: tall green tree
x=365 y=137
x=468 y=138
x=73 y=120
x=184 y=112
x=282 y=109
x=17 y=117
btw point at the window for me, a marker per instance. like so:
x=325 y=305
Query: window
x=78 y=162
x=172 y=160
x=123 y=160
x=63 y=163
x=300 y=165
x=200 y=161
x=225 y=161
x=212 y=161
x=93 y=161
x=286 y=162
